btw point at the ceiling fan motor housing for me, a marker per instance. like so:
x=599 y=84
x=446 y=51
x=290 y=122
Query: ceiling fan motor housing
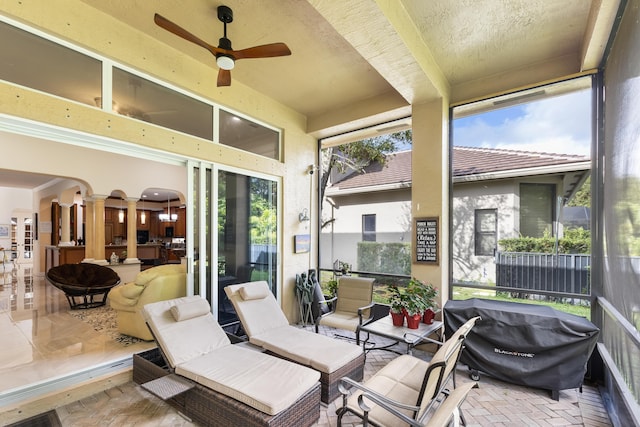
x=225 y=14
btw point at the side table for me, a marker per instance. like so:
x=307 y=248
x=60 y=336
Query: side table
x=401 y=334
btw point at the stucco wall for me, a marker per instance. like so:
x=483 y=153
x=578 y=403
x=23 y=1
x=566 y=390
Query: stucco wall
x=339 y=240
x=467 y=198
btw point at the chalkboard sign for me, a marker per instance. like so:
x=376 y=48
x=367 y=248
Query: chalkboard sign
x=426 y=240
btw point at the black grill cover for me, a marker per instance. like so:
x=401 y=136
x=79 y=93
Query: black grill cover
x=526 y=344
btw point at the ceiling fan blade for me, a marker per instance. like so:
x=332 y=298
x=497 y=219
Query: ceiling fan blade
x=263 y=51
x=163 y=22
x=224 y=77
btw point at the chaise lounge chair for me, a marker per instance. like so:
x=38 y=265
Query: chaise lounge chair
x=267 y=327
x=220 y=383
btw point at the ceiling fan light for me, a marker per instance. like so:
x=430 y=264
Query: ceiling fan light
x=225 y=62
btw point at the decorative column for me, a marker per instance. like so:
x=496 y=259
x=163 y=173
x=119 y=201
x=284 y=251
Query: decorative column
x=132 y=235
x=89 y=231
x=65 y=226
x=98 y=215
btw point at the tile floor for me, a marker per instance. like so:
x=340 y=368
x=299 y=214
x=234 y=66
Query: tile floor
x=40 y=340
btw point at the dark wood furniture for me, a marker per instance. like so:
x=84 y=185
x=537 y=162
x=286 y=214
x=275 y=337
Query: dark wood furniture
x=90 y=283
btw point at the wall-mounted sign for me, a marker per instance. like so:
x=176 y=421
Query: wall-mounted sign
x=425 y=241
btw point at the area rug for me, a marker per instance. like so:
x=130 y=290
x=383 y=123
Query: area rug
x=103 y=319
x=48 y=419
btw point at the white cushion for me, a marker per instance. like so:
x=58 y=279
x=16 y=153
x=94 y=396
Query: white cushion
x=254 y=292
x=263 y=382
x=186 y=340
x=190 y=309
x=341 y=320
x=317 y=351
x=399 y=380
x=257 y=315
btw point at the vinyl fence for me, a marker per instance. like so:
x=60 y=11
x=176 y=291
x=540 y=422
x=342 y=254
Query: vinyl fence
x=563 y=274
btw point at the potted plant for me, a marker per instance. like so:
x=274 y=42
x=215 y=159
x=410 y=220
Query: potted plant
x=397 y=303
x=345 y=268
x=415 y=306
x=428 y=293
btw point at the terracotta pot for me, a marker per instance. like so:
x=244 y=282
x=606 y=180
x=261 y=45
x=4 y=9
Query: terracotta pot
x=413 y=320
x=397 y=319
x=428 y=316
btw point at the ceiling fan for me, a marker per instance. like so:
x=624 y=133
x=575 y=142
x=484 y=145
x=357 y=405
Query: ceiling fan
x=225 y=55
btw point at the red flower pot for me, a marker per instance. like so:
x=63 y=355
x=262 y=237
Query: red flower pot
x=397 y=319
x=428 y=316
x=413 y=320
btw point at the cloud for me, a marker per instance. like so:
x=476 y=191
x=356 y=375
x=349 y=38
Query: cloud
x=559 y=124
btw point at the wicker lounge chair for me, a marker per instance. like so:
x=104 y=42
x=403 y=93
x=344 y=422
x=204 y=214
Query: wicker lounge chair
x=267 y=327
x=406 y=390
x=218 y=383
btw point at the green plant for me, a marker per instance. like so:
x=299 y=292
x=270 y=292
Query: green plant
x=332 y=287
x=427 y=293
x=415 y=304
x=397 y=300
x=345 y=267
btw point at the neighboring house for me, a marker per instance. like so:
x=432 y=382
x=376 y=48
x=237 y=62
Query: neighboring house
x=497 y=194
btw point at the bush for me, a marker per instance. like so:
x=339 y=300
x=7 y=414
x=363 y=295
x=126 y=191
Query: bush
x=575 y=241
x=390 y=258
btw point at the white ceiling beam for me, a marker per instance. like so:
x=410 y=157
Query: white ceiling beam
x=384 y=35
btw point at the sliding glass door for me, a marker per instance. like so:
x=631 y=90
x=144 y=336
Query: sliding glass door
x=242 y=212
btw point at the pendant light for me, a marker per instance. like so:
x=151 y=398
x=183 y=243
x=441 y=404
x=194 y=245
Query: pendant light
x=168 y=217
x=143 y=216
x=121 y=213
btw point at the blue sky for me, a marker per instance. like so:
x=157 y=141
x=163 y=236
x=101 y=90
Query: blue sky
x=559 y=124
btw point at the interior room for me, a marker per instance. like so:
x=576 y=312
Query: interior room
x=111 y=112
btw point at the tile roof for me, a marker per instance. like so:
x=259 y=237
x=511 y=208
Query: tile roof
x=466 y=161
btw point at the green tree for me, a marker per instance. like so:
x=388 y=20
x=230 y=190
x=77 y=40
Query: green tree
x=583 y=196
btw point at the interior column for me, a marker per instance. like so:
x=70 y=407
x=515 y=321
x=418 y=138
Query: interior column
x=65 y=226
x=98 y=214
x=132 y=237
x=89 y=231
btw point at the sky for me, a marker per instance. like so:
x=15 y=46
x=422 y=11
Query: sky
x=559 y=125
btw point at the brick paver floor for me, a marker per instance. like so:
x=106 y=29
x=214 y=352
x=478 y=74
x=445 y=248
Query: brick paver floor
x=494 y=404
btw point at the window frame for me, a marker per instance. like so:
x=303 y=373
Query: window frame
x=479 y=235
x=368 y=235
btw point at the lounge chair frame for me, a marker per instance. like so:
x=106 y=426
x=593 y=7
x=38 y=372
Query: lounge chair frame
x=329 y=381
x=210 y=408
x=440 y=371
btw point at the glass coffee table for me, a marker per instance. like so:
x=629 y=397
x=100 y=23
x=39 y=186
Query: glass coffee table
x=401 y=334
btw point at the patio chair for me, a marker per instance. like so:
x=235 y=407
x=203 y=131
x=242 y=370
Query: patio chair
x=267 y=327
x=448 y=412
x=351 y=307
x=223 y=383
x=406 y=389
